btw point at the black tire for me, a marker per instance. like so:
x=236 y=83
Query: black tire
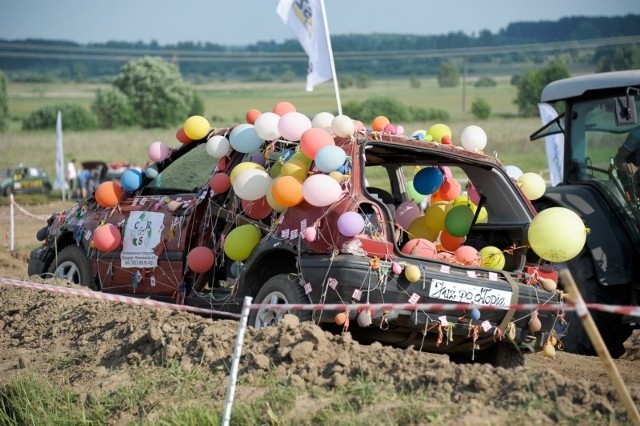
x=278 y=290
x=613 y=331
x=72 y=265
x=501 y=354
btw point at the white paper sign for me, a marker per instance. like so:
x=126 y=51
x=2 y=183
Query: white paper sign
x=141 y=235
x=466 y=293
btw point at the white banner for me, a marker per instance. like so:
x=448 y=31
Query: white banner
x=305 y=18
x=61 y=182
x=554 y=145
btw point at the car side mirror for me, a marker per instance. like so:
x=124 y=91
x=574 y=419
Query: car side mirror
x=626 y=110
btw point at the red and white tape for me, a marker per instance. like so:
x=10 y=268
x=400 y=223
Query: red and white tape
x=29 y=214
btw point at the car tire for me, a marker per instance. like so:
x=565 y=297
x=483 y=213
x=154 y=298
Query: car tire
x=72 y=265
x=501 y=354
x=611 y=328
x=278 y=290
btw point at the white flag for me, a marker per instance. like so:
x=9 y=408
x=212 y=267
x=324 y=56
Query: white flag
x=554 y=145
x=305 y=18
x=60 y=182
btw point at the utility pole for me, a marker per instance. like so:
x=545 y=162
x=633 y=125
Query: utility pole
x=465 y=60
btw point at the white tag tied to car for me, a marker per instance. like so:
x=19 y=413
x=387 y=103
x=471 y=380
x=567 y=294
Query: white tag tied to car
x=493 y=276
x=414 y=298
x=285 y=234
x=333 y=283
x=471 y=274
x=486 y=325
x=357 y=294
x=307 y=288
x=445 y=268
x=152 y=281
x=443 y=320
x=293 y=234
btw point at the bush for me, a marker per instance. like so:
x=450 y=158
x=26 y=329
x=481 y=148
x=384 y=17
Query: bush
x=112 y=109
x=197 y=105
x=363 y=81
x=414 y=82
x=448 y=75
x=480 y=108
x=388 y=106
x=486 y=82
x=427 y=114
x=346 y=81
x=74 y=117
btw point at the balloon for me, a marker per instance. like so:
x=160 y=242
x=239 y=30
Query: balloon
x=299 y=156
x=181 y=136
x=196 y=127
x=108 y=194
x=200 y=259
x=339 y=177
x=321 y=190
x=468 y=256
x=340 y=318
x=412 y=273
x=364 y=318
x=492 y=257
x=343 y=126
x=241 y=241
x=292 y=125
x=396 y=268
x=272 y=203
x=107 y=237
x=450 y=189
x=445 y=256
x=322 y=120
x=419 y=229
x=350 y=224
x=310 y=233
x=287 y=191
x=474 y=314
x=532 y=185
x=251 y=115
x=258 y=158
x=158 y=151
x=218 y=146
x=414 y=195
x=435 y=214
x=437 y=131
x=258 y=209
x=557 y=234
x=406 y=213
x=419 y=134
x=329 y=158
x=313 y=140
x=283 y=107
x=534 y=323
x=473 y=138
x=420 y=247
x=247 y=165
x=295 y=168
x=173 y=205
x=220 y=183
x=458 y=220
x=266 y=126
x=446 y=140
x=449 y=242
x=390 y=128
x=244 y=138
x=378 y=123
x=548 y=284
x=514 y=172
x=131 y=180
x=427 y=180
x=251 y=184
x=151 y=172
x=400 y=129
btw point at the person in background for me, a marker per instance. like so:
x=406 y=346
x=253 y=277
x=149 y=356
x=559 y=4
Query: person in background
x=71 y=175
x=83 y=182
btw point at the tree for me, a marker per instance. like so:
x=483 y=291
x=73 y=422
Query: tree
x=480 y=108
x=74 y=117
x=414 y=82
x=448 y=74
x=158 y=95
x=617 y=59
x=112 y=109
x=4 y=103
x=530 y=85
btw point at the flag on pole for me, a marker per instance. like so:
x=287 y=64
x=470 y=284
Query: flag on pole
x=554 y=145
x=306 y=20
x=60 y=182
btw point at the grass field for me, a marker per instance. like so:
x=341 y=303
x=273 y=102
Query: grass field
x=228 y=101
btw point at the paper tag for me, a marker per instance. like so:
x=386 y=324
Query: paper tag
x=307 y=288
x=293 y=234
x=303 y=225
x=471 y=274
x=445 y=268
x=152 y=281
x=493 y=276
x=443 y=320
x=486 y=325
x=357 y=294
x=414 y=298
x=333 y=283
x=285 y=234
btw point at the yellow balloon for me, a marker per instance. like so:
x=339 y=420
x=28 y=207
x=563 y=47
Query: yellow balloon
x=412 y=273
x=532 y=185
x=273 y=203
x=492 y=257
x=247 y=165
x=437 y=131
x=296 y=168
x=339 y=177
x=196 y=127
x=435 y=214
x=557 y=234
x=241 y=241
x=419 y=229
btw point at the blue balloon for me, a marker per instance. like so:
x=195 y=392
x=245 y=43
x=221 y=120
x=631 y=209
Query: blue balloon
x=474 y=314
x=329 y=158
x=131 y=180
x=243 y=138
x=428 y=180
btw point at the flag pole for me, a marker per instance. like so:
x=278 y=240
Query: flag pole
x=333 y=66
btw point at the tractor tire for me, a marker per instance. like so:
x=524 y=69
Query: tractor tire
x=72 y=265
x=278 y=290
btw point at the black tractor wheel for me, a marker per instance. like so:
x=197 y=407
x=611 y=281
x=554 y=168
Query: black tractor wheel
x=613 y=331
x=72 y=265
x=279 y=290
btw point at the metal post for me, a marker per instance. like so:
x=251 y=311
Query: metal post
x=12 y=225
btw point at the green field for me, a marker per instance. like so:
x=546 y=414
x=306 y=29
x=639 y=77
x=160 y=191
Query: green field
x=228 y=101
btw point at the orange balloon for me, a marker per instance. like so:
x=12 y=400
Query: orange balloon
x=379 y=123
x=449 y=190
x=435 y=197
x=108 y=194
x=287 y=191
x=251 y=115
x=449 y=242
x=283 y=107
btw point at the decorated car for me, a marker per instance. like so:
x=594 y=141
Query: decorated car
x=24 y=180
x=325 y=212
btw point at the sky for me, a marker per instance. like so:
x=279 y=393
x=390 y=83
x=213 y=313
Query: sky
x=243 y=22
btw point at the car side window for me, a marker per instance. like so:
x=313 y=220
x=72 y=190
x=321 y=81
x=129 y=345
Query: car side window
x=186 y=173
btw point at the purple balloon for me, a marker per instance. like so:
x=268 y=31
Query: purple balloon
x=350 y=224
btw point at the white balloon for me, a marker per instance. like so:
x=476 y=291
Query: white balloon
x=321 y=190
x=218 y=146
x=251 y=184
x=473 y=138
x=514 y=172
x=267 y=126
x=292 y=125
x=322 y=120
x=343 y=126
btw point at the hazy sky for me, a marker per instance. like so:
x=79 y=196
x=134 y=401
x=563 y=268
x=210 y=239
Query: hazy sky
x=237 y=22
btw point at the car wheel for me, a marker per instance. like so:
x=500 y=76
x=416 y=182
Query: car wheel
x=613 y=331
x=279 y=290
x=501 y=354
x=72 y=265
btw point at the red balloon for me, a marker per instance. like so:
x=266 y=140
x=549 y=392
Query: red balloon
x=420 y=247
x=450 y=189
x=449 y=242
x=313 y=140
x=251 y=115
x=446 y=140
x=182 y=136
x=258 y=209
x=281 y=108
x=107 y=237
x=200 y=259
x=220 y=183
x=468 y=256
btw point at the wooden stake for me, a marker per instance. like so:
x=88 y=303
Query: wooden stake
x=599 y=346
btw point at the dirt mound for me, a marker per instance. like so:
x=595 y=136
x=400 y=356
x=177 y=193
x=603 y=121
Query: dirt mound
x=106 y=340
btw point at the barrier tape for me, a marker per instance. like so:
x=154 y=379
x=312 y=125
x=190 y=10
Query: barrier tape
x=29 y=214
x=114 y=298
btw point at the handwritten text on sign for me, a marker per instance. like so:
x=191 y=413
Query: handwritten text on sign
x=465 y=293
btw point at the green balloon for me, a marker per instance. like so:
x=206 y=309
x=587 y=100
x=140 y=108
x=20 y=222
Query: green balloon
x=241 y=241
x=458 y=220
x=414 y=195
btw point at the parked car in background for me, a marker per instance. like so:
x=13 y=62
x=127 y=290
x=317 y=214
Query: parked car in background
x=24 y=180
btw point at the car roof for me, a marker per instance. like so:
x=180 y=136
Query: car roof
x=577 y=86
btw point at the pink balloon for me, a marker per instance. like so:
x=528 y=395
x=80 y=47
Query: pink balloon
x=321 y=190
x=200 y=259
x=400 y=129
x=158 y=151
x=391 y=129
x=420 y=247
x=350 y=224
x=292 y=125
x=313 y=140
x=107 y=237
x=310 y=233
x=468 y=256
x=406 y=213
